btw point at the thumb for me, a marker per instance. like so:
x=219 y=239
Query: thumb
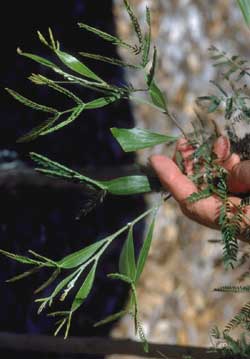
x=239 y=177
x=172 y=178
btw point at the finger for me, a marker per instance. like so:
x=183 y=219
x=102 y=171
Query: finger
x=186 y=150
x=172 y=178
x=222 y=149
x=239 y=177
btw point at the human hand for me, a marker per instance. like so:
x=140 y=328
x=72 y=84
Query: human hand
x=205 y=211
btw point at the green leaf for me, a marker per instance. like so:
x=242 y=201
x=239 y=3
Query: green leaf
x=157 y=96
x=135 y=139
x=56 y=169
x=101 y=102
x=38 y=130
x=50 y=280
x=147 y=40
x=196 y=196
x=150 y=76
x=109 y=60
x=25 y=101
x=83 y=292
x=70 y=278
x=127 y=264
x=24 y=274
x=111 y=318
x=42 y=80
x=75 y=65
x=45 y=162
x=23 y=259
x=74 y=115
x=121 y=277
x=37 y=59
x=145 y=249
x=215 y=103
x=114 y=40
x=128 y=185
x=77 y=258
x=245 y=9
x=134 y=21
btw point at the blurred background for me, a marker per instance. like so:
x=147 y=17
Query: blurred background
x=176 y=295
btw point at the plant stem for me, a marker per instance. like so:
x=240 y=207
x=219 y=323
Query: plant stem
x=162 y=110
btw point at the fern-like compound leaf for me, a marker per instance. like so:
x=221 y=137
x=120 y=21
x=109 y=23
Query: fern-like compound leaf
x=109 y=60
x=134 y=21
x=35 y=106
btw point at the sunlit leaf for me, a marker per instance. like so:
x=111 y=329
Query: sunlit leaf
x=145 y=249
x=77 y=258
x=135 y=139
x=127 y=257
x=83 y=292
x=128 y=185
x=101 y=102
x=75 y=65
x=150 y=76
x=38 y=59
x=157 y=96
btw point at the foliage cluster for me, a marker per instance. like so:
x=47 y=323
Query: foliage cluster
x=78 y=269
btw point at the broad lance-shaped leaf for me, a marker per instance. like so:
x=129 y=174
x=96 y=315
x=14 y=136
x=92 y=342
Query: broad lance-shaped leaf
x=135 y=139
x=25 y=101
x=84 y=290
x=157 y=96
x=127 y=257
x=77 y=258
x=245 y=9
x=145 y=249
x=150 y=76
x=75 y=65
x=101 y=102
x=38 y=59
x=128 y=185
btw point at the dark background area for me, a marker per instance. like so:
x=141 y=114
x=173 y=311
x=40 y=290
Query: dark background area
x=47 y=224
